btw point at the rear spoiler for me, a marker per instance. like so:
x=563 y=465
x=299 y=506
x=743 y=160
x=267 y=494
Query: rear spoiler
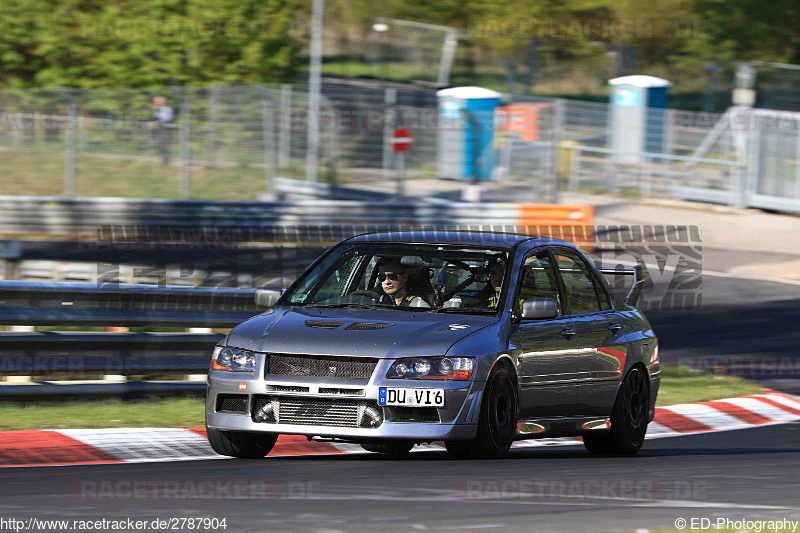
x=638 y=281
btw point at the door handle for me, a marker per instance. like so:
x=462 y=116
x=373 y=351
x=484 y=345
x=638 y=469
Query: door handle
x=615 y=327
x=568 y=333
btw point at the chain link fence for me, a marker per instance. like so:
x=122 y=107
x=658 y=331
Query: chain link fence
x=229 y=143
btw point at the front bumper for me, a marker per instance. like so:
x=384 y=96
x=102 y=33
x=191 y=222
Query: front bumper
x=457 y=420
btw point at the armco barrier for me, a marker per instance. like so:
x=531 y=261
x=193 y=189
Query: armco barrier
x=570 y=222
x=65 y=356
x=59 y=216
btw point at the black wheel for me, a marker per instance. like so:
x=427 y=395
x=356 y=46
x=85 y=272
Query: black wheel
x=497 y=424
x=629 y=418
x=395 y=449
x=241 y=444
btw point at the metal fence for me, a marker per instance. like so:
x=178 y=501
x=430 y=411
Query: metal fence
x=230 y=143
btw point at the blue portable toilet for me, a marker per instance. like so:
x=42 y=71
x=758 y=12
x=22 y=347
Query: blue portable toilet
x=466 y=133
x=638 y=115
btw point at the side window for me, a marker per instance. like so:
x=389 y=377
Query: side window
x=584 y=293
x=538 y=280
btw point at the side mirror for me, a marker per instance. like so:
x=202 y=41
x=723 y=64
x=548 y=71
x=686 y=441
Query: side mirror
x=540 y=308
x=267 y=296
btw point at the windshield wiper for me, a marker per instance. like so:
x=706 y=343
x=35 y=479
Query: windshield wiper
x=466 y=310
x=345 y=306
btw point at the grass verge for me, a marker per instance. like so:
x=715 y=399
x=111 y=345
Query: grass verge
x=678 y=385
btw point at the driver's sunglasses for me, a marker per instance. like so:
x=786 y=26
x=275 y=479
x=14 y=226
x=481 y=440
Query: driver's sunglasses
x=387 y=275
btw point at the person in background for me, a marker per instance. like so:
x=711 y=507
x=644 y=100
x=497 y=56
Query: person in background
x=163 y=116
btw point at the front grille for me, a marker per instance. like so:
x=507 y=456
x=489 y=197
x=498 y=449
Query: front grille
x=232 y=403
x=321 y=366
x=368 y=326
x=287 y=388
x=350 y=392
x=323 y=324
x=316 y=412
x=416 y=414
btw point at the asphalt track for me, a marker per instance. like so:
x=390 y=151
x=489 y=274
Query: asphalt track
x=748 y=474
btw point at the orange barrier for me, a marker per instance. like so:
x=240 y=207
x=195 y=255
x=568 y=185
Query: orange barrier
x=522 y=120
x=574 y=223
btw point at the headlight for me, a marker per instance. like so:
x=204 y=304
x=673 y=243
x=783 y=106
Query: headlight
x=233 y=359
x=450 y=368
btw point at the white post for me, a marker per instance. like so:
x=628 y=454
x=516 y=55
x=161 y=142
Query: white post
x=314 y=89
x=268 y=131
x=448 y=54
x=211 y=157
x=401 y=175
x=185 y=170
x=285 y=139
x=390 y=99
x=71 y=145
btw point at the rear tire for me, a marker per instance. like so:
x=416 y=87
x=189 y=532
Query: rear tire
x=629 y=418
x=395 y=449
x=241 y=444
x=497 y=424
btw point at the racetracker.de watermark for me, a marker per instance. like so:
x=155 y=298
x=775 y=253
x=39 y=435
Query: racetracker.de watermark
x=190 y=489
x=745 y=365
x=155 y=29
x=584 y=29
x=578 y=489
x=670 y=256
x=418 y=120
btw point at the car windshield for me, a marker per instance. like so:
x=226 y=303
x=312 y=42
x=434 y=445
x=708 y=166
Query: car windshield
x=435 y=278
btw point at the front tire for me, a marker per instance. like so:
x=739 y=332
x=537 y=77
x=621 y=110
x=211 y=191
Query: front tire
x=497 y=424
x=241 y=444
x=629 y=418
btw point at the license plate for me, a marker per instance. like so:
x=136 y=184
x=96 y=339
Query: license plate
x=411 y=397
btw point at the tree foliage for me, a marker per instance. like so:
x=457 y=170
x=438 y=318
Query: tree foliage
x=135 y=43
x=129 y=43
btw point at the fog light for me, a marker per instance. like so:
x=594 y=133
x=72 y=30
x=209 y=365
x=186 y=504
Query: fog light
x=372 y=417
x=266 y=413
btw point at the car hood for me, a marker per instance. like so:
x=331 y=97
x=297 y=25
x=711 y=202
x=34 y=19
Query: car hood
x=332 y=332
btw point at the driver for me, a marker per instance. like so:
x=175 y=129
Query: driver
x=393 y=276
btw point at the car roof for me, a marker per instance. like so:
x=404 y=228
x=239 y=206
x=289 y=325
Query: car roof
x=505 y=241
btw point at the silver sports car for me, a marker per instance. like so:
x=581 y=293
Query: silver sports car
x=475 y=339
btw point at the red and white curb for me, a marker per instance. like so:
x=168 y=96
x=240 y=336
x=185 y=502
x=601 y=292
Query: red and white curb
x=136 y=445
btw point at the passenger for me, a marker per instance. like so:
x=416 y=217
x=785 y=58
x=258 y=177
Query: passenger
x=393 y=276
x=489 y=296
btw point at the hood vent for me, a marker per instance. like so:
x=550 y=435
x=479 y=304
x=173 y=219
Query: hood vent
x=323 y=324
x=368 y=326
